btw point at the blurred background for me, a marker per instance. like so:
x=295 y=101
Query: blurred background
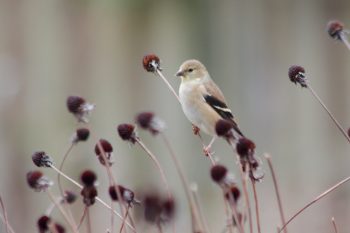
x=50 y=49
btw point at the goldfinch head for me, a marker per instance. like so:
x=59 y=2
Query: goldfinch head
x=192 y=70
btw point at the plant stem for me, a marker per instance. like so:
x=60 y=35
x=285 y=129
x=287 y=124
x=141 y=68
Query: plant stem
x=194 y=207
x=329 y=113
x=97 y=198
x=345 y=40
x=256 y=205
x=7 y=225
x=61 y=168
x=315 y=200
x=275 y=184
x=160 y=74
x=64 y=214
x=88 y=220
x=334 y=225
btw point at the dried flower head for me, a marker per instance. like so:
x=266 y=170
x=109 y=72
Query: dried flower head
x=81 y=135
x=41 y=159
x=224 y=128
x=88 y=178
x=107 y=150
x=43 y=223
x=59 y=228
x=69 y=197
x=296 y=75
x=157 y=209
x=151 y=63
x=79 y=108
x=233 y=193
x=37 y=181
x=127 y=132
x=127 y=195
x=218 y=173
x=335 y=29
x=148 y=121
x=245 y=147
x=89 y=194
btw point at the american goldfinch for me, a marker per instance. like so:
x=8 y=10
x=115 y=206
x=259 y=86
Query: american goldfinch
x=202 y=101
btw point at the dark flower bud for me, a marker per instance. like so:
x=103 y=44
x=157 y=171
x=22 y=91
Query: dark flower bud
x=37 y=181
x=218 y=173
x=82 y=134
x=335 y=29
x=296 y=75
x=89 y=194
x=168 y=207
x=127 y=132
x=88 y=178
x=106 y=146
x=127 y=194
x=147 y=120
x=43 y=223
x=151 y=63
x=224 y=128
x=41 y=159
x=69 y=197
x=245 y=147
x=79 y=108
x=59 y=228
x=233 y=193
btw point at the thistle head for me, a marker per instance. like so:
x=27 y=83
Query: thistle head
x=79 y=108
x=296 y=75
x=148 y=121
x=335 y=29
x=127 y=132
x=151 y=63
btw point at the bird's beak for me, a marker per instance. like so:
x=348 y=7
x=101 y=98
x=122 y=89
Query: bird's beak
x=179 y=73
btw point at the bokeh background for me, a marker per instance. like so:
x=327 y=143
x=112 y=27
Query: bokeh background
x=50 y=49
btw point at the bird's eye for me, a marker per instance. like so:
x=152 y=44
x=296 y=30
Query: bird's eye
x=190 y=70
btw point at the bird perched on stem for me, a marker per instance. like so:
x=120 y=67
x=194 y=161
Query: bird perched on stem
x=202 y=101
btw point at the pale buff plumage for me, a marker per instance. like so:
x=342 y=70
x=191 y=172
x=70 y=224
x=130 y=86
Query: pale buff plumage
x=196 y=85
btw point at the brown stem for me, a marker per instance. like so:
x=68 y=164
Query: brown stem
x=316 y=199
x=229 y=223
x=233 y=206
x=329 y=113
x=7 y=225
x=126 y=215
x=334 y=225
x=61 y=168
x=64 y=214
x=275 y=184
x=160 y=74
x=88 y=220
x=157 y=164
x=345 y=40
x=203 y=221
x=244 y=186
x=82 y=217
x=256 y=205
x=97 y=198
x=194 y=207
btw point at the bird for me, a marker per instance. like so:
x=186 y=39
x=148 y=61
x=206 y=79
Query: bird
x=202 y=101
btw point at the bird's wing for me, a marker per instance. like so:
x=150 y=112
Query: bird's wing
x=215 y=99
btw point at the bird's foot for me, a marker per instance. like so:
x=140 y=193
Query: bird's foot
x=195 y=130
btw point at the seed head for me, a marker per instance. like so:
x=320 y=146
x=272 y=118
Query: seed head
x=158 y=210
x=59 y=228
x=89 y=194
x=245 y=147
x=296 y=75
x=81 y=135
x=43 y=223
x=79 y=108
x=88 y=178
x=127 y=132
x=69 y=197
x=108 y=152
x=148 y=121
x=218 y=173
x=233 y=193
x=335 y=29
x=127 y=194
x=168 y=207
x=224 y=128
x=41 y=159
x=37 y=181
x=151 y=63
